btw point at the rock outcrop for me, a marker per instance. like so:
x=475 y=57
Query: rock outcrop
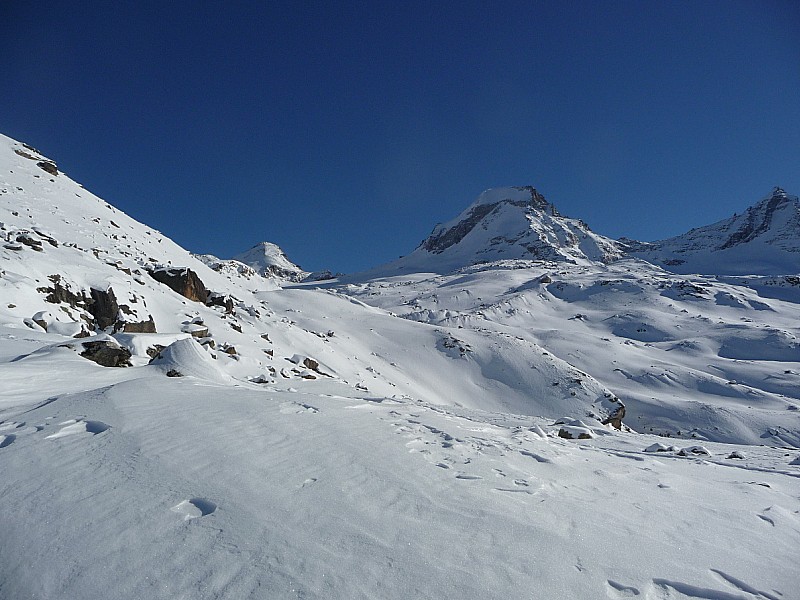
x=182 y=280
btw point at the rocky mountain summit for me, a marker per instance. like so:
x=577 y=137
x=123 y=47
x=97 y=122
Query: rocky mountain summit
x=506 y=224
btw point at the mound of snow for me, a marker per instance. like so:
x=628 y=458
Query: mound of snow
x=187 y=358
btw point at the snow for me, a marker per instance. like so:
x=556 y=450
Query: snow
x=386 y=436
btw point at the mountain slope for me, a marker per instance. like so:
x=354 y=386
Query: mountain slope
x=764 y=240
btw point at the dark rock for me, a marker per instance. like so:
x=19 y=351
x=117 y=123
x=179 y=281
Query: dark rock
x=24 y=154
x=103 y=307
x=154 y=350
x=174 y=373
x=30 y=242
x=106 y=353
x=148 y=326
x=48 y=166
x=310 y=363
x=217 y=299
x=183 y=281
x=230 y=350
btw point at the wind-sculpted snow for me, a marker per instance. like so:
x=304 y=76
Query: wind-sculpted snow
x=689 y=356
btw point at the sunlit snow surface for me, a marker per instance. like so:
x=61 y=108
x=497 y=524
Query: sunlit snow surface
x=326 y=448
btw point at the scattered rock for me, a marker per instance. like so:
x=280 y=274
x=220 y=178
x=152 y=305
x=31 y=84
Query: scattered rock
x=49 y=166
x=659 y=448
x=30 y=242
x=694 y=450
x=154 y=350
x=106 y=353
x=736 y=454
x=223 y=300
x=148 y=326
x=581 y=433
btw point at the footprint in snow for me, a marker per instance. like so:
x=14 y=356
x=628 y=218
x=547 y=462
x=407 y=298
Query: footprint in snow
x=7 y=440
x=194 y=508
x=468 y=477
x=73 y=427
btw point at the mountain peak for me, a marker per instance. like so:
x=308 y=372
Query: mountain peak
x=509 y=223
x=764 y=239
x=269 y=260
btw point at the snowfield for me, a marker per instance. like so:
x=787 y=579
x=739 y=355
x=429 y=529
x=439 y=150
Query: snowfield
x=580 y=425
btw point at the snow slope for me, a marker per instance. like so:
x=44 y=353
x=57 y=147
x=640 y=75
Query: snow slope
x=300 y=443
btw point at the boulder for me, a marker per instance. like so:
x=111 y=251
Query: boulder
x=182 y=280
x=106 y=353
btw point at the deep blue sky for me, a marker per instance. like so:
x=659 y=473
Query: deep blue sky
x=345 y=131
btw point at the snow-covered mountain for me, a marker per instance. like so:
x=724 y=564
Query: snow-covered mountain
x=506 y=224
x=270 y=261
x=764 y=240
x=668 y=345
x=220 y=434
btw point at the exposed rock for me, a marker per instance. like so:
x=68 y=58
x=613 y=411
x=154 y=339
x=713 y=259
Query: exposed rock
x=154 y=350
x=48 y=166
x=30 y=242
x=148 y=326
x=615 y=419
x=183 y=281
x=24 y=154
x=196 y=330
x=569 y=433
x=106 y=353
x=103 y=307
x=223 y=300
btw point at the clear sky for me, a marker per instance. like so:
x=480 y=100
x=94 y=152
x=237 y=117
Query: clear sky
x=344 y=131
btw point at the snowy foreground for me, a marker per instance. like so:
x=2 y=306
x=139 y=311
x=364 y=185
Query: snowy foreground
x=465 y=423
x=136 y=485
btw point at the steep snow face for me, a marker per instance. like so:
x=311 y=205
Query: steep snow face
x=270 y=261
x=508 y=223
x=764 y=240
